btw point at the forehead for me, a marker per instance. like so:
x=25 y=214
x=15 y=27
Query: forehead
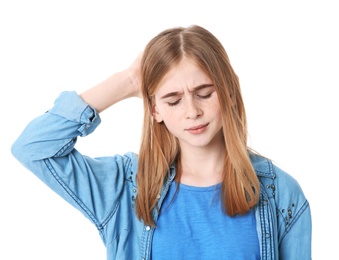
x=185 y=75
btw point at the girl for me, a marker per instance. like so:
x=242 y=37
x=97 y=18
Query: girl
x=195 y=190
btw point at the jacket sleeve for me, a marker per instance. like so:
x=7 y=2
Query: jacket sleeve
x=296 y=244
x=295 y=231
x=46 y=148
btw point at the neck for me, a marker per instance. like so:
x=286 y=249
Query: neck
x=202 y=167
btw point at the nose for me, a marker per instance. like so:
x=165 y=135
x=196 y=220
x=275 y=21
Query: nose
x=193 y=110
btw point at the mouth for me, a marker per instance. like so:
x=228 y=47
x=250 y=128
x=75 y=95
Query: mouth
x=197 y=129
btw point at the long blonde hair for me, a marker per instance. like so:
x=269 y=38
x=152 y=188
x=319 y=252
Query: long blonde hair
x=159 y=148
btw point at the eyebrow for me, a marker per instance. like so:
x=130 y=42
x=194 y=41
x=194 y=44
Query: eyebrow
x=175 y=93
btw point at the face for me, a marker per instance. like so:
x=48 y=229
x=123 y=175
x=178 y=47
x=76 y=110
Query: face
x=186 y=102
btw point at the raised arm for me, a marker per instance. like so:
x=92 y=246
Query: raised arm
x=119 y=86
x=46 y=147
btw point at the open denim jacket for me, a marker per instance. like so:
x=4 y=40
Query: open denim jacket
x=104 y=189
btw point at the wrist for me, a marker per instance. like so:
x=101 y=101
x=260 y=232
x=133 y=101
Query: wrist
x=134 y=82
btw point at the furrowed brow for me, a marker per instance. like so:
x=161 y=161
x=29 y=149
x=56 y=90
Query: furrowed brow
x=201 y=87
x=171 y=94
x=176 y=93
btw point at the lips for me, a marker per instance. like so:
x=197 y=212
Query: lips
x=197 y=129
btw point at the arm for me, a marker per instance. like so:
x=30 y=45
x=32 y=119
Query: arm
x=119 y=86
x=297 y=241
x=46 y=147
x=294 y=218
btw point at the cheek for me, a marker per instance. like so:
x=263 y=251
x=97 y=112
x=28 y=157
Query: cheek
x=169 y=113
x=218 y=111
x=215 y=109
x=170 y=118
x=217 y=115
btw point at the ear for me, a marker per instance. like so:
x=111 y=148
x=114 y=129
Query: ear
x=156 y=114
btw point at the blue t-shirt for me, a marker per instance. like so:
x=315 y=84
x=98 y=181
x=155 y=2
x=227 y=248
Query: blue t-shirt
x=193 y=225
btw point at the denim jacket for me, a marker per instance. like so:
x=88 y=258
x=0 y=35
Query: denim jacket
x=104 y=189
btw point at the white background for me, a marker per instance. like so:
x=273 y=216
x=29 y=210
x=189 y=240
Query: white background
x=285 y=54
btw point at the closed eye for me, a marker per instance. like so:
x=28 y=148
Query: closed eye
x=171 y=104
x=205 y=96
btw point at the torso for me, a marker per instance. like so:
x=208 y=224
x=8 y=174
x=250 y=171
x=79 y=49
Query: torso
x=192 y=225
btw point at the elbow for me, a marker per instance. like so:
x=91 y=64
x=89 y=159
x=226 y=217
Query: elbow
x=17 y=150
x=21 y=151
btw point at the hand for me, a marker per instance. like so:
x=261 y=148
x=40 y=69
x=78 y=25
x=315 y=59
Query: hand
x=118 y=86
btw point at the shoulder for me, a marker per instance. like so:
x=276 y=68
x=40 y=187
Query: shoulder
x=279 y=185
x=130 y=161
x=266 y=169
x=130 y=158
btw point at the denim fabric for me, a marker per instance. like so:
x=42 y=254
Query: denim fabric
x=104 y=189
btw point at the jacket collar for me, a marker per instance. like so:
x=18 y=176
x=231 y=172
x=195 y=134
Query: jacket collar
x=262 y=166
